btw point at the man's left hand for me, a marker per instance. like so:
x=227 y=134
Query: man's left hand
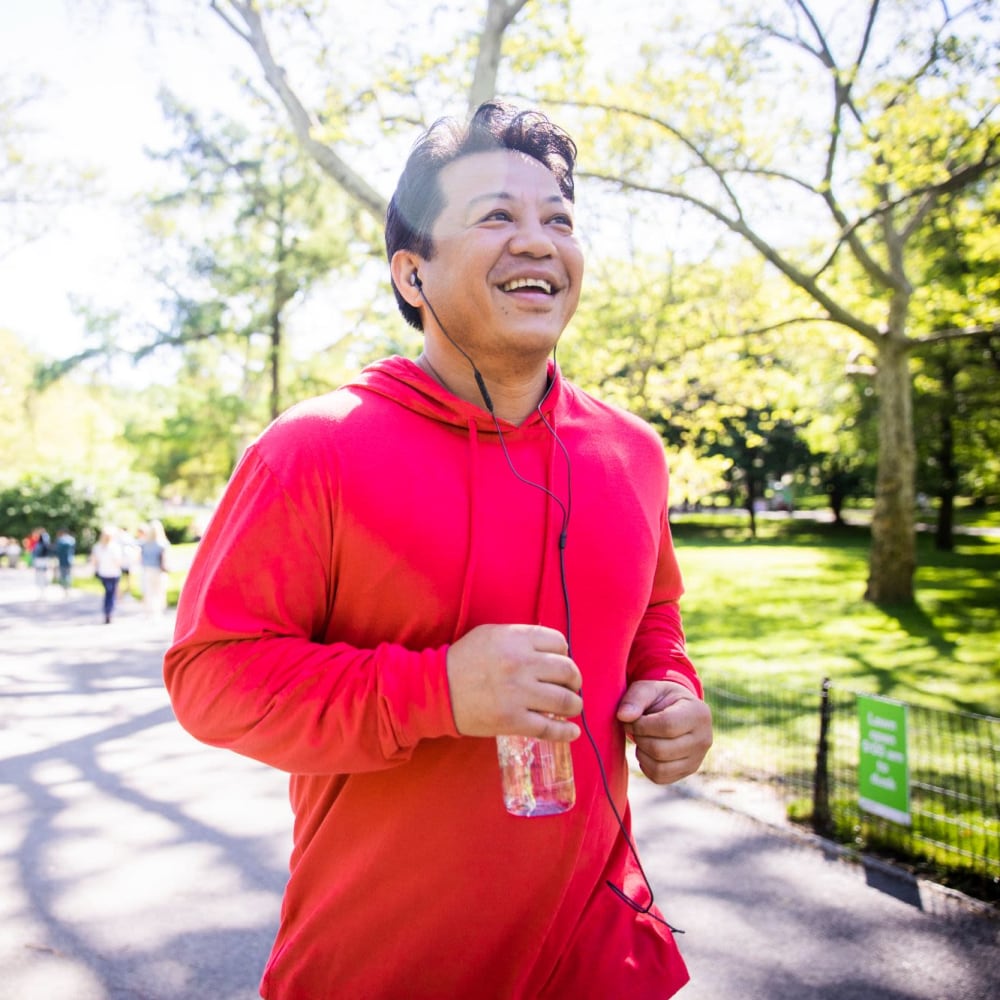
x=671 y=727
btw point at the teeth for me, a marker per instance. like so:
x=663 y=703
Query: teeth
x=512 y=286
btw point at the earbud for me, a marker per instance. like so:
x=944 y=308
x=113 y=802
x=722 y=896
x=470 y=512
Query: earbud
x=419 y=285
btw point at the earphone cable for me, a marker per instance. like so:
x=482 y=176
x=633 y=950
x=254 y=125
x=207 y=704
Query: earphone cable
x=617 y=890
x=565 y=509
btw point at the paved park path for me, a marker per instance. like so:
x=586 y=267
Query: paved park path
x=135 y=863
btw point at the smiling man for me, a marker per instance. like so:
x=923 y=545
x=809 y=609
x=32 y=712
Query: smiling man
x=442 y=552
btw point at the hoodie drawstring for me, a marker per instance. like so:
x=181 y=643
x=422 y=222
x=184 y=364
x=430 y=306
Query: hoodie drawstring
x=470 y=562
x=554 y=521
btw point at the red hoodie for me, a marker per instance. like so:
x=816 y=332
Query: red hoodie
x=364 y=532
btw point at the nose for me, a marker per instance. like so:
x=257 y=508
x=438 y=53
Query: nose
x=532 y=238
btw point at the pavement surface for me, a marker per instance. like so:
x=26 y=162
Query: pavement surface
x=136 y=863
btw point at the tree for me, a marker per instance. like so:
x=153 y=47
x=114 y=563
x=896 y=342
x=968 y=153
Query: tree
x=244 y=17
x=266 y=231
x=842 y=437
x=956 y=382
x=235 y=283
x=190 y=434
x=38 y=438
x=760 y=449
x=957 y=403
x=670 y=341
x=35 y=501
x=909 y=123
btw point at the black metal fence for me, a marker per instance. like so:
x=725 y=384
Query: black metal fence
x=808 y=744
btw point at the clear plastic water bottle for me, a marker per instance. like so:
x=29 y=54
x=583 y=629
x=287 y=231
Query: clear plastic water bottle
x=537 y=775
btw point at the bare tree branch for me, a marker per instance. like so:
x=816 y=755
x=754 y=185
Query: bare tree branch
x=736 y=224
x=243 y=17
x=955 y=181
x=842 y=86
x=959 y=333
x=678 y=134
x=302 y=123
x=928 y=195
x=783 y=323
x=849 y=230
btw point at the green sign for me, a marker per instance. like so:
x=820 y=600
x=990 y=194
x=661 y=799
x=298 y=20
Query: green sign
x=883 y=770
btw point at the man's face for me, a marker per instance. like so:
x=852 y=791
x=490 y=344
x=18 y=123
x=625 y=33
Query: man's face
x=507 y=268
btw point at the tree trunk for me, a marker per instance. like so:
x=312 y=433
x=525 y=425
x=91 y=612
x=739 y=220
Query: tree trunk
x=893 y=555
x=836 y=499
x=944 y=533
x=499 y=15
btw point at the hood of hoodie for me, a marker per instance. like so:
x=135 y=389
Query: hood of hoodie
x=408 y=385
x=404 y=382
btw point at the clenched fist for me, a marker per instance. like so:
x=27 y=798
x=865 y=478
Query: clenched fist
x=514 y=680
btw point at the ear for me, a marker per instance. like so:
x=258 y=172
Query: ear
x=402 y=267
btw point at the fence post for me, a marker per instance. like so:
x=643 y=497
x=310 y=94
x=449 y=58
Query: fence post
x=821 y=821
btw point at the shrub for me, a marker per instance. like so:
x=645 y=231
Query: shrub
x=179 y=528
x=35 y=501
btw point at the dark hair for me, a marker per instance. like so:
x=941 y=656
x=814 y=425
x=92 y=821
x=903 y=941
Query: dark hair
x=419 y=200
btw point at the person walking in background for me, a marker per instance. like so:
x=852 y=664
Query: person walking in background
x=107 y=559
x=41 y=559
x=65 y=552
x=384 y=592
x=11 y=551
x=130 y=559
x=153 y=549
x=27 y=547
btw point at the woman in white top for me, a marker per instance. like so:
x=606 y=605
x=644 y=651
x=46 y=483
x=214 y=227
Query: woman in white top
x=107 y=558
x=153 y=546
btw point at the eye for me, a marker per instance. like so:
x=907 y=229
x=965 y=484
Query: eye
x=498 y=215
x=562 y=220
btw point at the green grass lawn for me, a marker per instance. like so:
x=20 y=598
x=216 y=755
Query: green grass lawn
x=768 y=618
x=789 y=606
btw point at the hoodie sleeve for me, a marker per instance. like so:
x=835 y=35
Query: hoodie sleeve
x=251 y=668
x=658 y=651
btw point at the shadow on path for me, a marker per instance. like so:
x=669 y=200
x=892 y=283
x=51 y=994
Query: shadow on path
x=134 y=861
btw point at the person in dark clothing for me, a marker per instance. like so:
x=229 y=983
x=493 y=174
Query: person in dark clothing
x=65 y=551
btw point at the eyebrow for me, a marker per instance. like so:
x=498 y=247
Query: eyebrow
x=507 y=196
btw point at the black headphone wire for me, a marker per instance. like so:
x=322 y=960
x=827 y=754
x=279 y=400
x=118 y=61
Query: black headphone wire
x=565 y=509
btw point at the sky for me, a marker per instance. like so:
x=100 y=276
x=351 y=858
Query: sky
x=100 y=110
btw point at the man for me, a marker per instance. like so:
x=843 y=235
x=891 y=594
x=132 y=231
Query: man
x=394 y=578
x=65 y=552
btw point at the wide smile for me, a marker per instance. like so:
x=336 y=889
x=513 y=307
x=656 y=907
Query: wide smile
x=529 y=285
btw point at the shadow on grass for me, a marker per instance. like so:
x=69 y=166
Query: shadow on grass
x=791 y=603
x=917 y=624
x=726 y=529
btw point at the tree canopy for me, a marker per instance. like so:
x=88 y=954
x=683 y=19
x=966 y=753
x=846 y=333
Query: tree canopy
x=902 y=125
x=790 y=213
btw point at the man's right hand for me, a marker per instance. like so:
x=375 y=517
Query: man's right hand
x=512 y=680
